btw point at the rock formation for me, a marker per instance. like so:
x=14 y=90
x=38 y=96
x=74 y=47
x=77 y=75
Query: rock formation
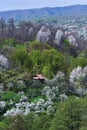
x=43 y=34
x=58 y=36
x=72 y=40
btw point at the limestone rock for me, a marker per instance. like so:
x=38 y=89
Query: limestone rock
x=30 y=31
x=72 y=40
x=43 y=34
x=58 y=36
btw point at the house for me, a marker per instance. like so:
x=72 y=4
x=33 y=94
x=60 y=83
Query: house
x=38 y=77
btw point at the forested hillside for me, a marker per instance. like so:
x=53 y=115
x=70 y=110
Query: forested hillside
x=30 y=14
x=43 y=78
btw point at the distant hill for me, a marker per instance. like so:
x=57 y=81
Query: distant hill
x=18 y=15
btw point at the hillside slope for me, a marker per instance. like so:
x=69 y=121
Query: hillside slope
x=18 y=15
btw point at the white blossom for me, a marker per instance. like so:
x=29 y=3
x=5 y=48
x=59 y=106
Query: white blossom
x=2 y=105
x=47 y=103
x=75 y=74
x=9 y=112
x=23 y=98
x=1 y=88
x=20 y=93
x=39 y=106
x=10 y=85
x=50 y=109
x=49 y=93
x=4 y=63
x=63 y=96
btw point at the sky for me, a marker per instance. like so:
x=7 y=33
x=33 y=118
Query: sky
x=28 y=4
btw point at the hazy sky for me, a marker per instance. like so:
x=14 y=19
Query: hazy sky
x=27 y=4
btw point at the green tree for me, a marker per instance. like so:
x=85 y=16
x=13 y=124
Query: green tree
x=78 y=61
x=21 y=59
x=69 y=115
x=83 y=128
x=3 y=126
x=35 y=45
x=36 y=61
x=52 y=61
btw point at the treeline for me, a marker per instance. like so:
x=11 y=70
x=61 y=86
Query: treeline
x=27 y=31
x=22 y=31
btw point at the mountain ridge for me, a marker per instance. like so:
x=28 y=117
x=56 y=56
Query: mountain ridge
x=26 y=14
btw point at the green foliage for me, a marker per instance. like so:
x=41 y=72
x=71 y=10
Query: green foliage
x=10 y=42
x=83 y=128
x=20 y=58
x=69 y=115
x=53 y=62
x=18 y=123
x=78 y=61
x=3 y=126
x=83 y=53
x=66 y=44
x=10 y=95
x=68 y=59
x=43 y=122
x=19 y=55
x=29 y=122
x=35 y=45
x=81 y=61
x=36 y=59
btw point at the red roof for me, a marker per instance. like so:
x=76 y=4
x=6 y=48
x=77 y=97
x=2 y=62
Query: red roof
x=38 y=76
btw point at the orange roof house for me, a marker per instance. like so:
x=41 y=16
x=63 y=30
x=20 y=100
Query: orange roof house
x=38 y=76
